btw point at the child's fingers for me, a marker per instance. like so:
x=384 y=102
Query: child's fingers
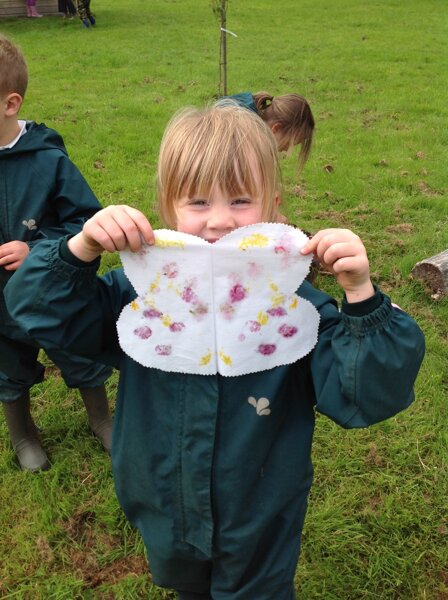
x=350 y=264
x=326 y=238
x=144 y=227
x=342 y=252
x=333 y=253
x=12 y=255
x=13 y=266
x=102 y=231
x=6 y=259
x=128 y=228
x=10 y=248
x=119 y=227
x=312 y=244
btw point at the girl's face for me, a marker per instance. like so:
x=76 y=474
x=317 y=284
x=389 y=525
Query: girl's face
x=212 y=216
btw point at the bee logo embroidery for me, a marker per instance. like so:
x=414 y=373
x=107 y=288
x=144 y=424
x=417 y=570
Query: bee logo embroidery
x=261 y=406
x=31 y=224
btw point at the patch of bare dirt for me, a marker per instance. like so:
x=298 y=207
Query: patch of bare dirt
x=400 y=228
x=94 y=575
x=299 y=191
x=373 y=457
x=427 y=190
x=90 y=543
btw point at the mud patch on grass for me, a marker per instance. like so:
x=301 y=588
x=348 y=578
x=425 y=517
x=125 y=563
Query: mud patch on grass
x=427 y=190
x=97 y=575
x=400 y=228
x=373 y=457
x=90 y=545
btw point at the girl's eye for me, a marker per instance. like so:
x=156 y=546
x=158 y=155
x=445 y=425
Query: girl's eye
x=241 y=201
x=198 y=202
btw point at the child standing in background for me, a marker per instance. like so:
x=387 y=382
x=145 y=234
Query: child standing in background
x=31 y=10
x=87 y=19
x=288 y=116
x=67 y=8
x=218 y=489
x=43 y=196
x=290 y=119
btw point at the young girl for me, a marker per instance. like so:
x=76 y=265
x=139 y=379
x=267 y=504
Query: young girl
x=31 y=10
x=288 y=116
x=218 y=489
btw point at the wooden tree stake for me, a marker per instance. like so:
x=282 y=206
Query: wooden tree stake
x=223 y=51
x=219 y=7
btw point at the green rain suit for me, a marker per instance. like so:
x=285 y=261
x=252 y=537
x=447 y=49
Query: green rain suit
x=218 y=489
x=42 y=196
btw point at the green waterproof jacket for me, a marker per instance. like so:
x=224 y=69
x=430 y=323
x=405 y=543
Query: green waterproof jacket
x=245 y=99
x=198 y=468
x=42 y=196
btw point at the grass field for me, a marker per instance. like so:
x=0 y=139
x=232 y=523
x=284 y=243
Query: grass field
x=375 y=73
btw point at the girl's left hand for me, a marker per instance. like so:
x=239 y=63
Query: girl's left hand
x=342 y=253
x=12 y=254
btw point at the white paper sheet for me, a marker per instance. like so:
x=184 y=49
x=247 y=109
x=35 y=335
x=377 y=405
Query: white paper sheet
x=228 y=307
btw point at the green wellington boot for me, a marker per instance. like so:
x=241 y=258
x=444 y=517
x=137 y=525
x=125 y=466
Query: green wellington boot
x=100 y=420
x=24 y=435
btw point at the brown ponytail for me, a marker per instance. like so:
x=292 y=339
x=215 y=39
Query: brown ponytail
x=294 y=118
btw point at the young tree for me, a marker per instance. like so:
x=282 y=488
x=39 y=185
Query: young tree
x=219 y=7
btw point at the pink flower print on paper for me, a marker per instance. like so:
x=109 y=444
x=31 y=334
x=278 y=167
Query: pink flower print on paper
x=170 y=270
x=276 y=311
x=285 y=249
x=152 y=313
x=237 y=293
x=188 y=295
x=253 y=326
x=284 y=245
x=176 y=327
x=143 y=332
x=267 y=349
x=163 y=350
x=287 y=330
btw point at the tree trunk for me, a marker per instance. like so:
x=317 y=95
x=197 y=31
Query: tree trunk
x=433 y=272
x=223 y=51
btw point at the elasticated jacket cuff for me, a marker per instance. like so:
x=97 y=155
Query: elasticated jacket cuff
x=68 y=256
x=360 y=309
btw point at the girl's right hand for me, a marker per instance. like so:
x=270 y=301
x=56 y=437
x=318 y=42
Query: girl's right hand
x=111 y=229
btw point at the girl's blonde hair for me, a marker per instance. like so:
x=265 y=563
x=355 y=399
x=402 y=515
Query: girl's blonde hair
x=293 y=115
x=223 y=145
x=13 y=70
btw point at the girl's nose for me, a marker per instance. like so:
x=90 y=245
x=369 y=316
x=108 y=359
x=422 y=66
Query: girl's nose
x=221 y=218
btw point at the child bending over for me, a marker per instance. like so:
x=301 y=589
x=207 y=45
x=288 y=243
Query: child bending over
x=290 y=119
x=219 y=492
x=288 y=116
